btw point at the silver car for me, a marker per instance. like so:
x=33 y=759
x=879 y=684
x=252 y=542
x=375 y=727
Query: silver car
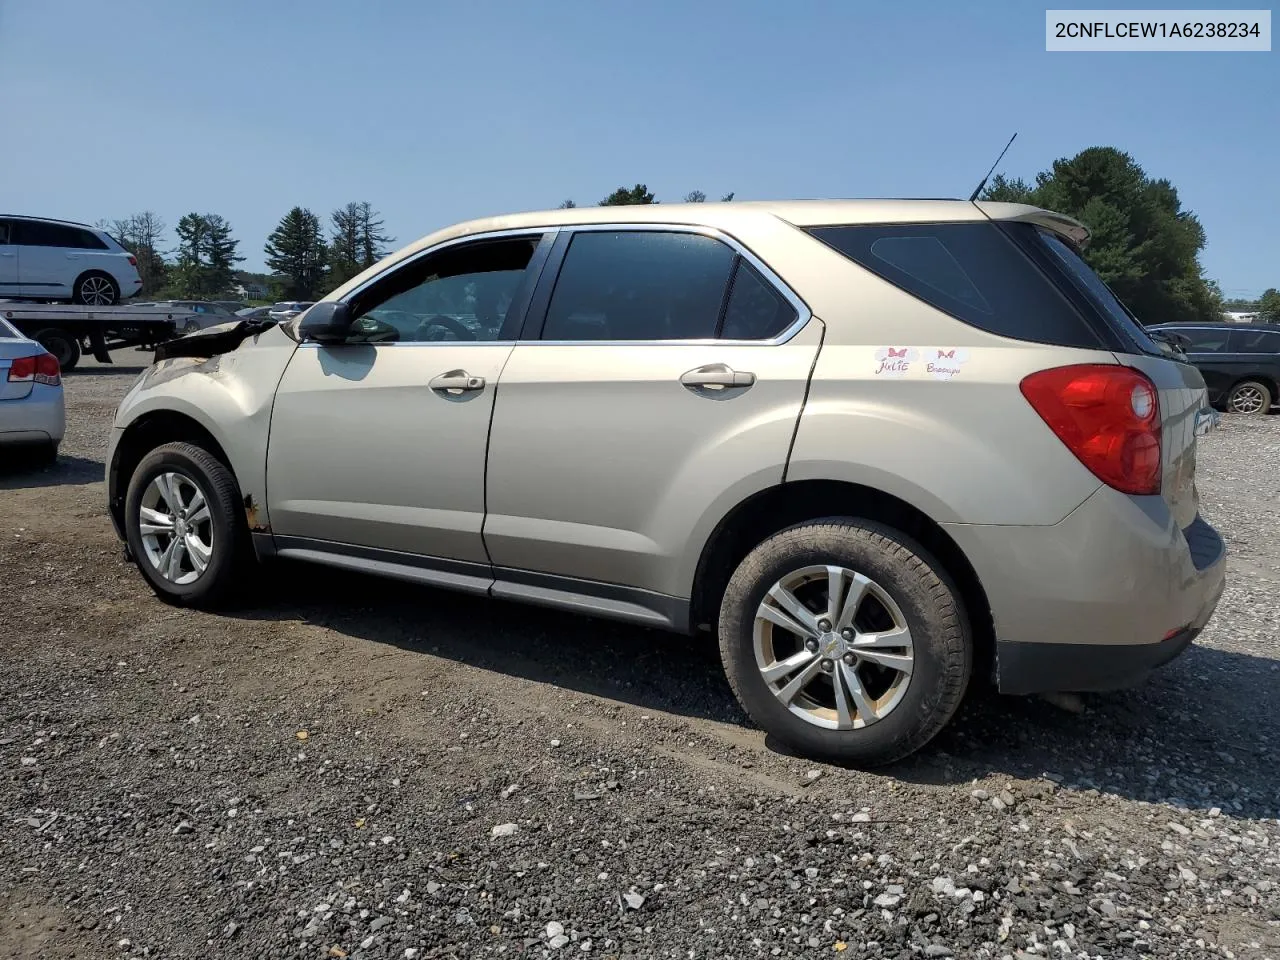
x=288 y=309
x=32 y=414
x=874 y=447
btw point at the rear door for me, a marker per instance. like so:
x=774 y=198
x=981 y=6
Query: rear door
x=52 y=255
x=662 y=370
x=8 y=261
x=1210 y=351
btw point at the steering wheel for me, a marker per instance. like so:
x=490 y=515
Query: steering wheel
x=440 y=320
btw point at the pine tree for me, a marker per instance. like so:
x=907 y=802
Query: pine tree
x=372 y=240
x=297 y=254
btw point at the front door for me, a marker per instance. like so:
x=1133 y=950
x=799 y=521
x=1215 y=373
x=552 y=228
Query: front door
x=665 y=384
x=380 y=442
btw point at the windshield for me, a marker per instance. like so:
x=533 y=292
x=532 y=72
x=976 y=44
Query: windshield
x=1098 y=292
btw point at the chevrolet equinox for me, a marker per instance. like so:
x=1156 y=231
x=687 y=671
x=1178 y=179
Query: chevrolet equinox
x=875 y=447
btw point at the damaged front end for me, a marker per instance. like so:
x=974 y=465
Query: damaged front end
x=213 y=341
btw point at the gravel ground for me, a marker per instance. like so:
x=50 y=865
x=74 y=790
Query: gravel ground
x=347 y=767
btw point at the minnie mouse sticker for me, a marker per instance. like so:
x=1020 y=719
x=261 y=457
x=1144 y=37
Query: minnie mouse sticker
x=895 y=361
x=943 y=363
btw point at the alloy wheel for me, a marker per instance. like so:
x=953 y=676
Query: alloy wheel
x=97 y=291
x=833 y=647
x=176 y=527
x=1247 y=399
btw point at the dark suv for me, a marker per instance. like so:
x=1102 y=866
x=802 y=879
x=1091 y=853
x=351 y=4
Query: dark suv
x=1240 y=363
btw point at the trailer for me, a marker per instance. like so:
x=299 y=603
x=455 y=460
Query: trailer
x=68 y=330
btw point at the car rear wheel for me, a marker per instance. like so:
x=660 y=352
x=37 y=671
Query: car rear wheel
x=1249 y=396
x=95 y=289
x=845 y=640
x=184 y=526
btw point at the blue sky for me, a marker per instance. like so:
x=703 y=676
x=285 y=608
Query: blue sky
x=441 y=111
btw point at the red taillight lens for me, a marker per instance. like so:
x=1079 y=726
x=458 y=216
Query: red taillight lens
x=133 y=261
x=47 y=370
x=41 y=369
x=1108 y=416
x=24 y=368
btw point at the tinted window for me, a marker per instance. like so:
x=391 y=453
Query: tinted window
x=4 y=231
x=969 y=270
x=1255 y=341
x=756 y=310
x=35 y=233
x=459 y=294
x=7 y=332
x=1204 y=340
x=639 y=285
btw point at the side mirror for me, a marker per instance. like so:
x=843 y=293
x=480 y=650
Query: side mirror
x=327 y=322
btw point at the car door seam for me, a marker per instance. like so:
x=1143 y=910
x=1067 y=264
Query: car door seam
x=804 y=400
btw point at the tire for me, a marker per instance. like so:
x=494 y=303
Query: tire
x=64 y=346
x=1249 y=396
x=224 y=535
x=95 y=288
x=191 y=326
x=908 y=589
x=46 y=454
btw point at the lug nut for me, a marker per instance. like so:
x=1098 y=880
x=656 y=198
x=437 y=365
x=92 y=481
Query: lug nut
x=828 y=665
x=824 y=625
x=848 y=633
x=850 y=659
x=811 y=646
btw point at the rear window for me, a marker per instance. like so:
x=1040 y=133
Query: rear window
x=972 y=271
x=7 y=332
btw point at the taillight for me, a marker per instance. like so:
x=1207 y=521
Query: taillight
x=133 y=261
x=40 y=369
x=1108 y=416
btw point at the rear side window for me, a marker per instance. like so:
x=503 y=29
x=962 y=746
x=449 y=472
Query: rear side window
x=971 y=271
x=7 y=332
x=756 y=310
x=1204 y=340
x=639 y=285
x=36 y=233
x=4 y=232
x=1255 y=341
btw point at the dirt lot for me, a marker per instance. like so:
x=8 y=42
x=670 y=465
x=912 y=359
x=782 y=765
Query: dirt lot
x=350 y=767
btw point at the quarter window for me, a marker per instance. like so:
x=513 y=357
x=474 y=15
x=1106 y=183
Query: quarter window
x=756 y=310
x=1204 y=340
x=459 y=294
x=639 y=285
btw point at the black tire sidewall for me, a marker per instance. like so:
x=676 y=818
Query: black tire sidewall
x=930 y=699
x=203 y=469
x=71 y=357
x=1268 y=398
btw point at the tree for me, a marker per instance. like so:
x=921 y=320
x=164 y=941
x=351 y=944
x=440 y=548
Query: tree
x=1143 y=244
x=141 y=234
x=344 y=244
x=623 y=197
x=296 y=254
x=727 y=197
x=567 y=205
x=695 y=196
x=206 y=256
x=372 y=240
x=1269 y=306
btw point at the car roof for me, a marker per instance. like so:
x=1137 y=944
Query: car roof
x=65 y=223
x=728 y=215
x=1212 y=325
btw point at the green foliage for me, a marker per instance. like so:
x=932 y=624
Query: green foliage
x=1269 y=306
x=207 y=256
x=297 y=255
x=623 y=197
x=141 y=234
x=567 y=205
x=1239 y=305
x=1143 y=244
x=356 y=242
x=727 y=198
x=695 y=196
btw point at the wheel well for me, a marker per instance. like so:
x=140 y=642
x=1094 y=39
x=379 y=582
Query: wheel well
x=144 y=435
x=1268 y=382
x=788 y=504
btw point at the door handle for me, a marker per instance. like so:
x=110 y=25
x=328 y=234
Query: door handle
x=7 y=253
x=456 y=382
x=716 y=376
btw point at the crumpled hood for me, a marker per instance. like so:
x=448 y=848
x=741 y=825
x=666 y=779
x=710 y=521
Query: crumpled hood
x=220 y=338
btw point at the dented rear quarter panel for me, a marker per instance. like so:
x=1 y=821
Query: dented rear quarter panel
x=230 y=395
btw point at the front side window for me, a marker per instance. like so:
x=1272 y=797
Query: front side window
x=1255 y=341
x=459 y=294
x=639 y=285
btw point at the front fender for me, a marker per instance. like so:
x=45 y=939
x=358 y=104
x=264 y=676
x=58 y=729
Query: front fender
x=230 y=395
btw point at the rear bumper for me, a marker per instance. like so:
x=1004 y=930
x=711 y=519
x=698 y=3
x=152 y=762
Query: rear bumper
x=39 y=417
x=1099 y=600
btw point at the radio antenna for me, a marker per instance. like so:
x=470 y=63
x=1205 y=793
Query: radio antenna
x=978 y=189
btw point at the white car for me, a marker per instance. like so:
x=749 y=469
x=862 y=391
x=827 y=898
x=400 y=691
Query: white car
x=32 y=414
x=42 y=259
x=288 y=309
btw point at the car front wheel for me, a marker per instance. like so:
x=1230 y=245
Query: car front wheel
x=845 y=640
x=183 y=525
x=1249 y=397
